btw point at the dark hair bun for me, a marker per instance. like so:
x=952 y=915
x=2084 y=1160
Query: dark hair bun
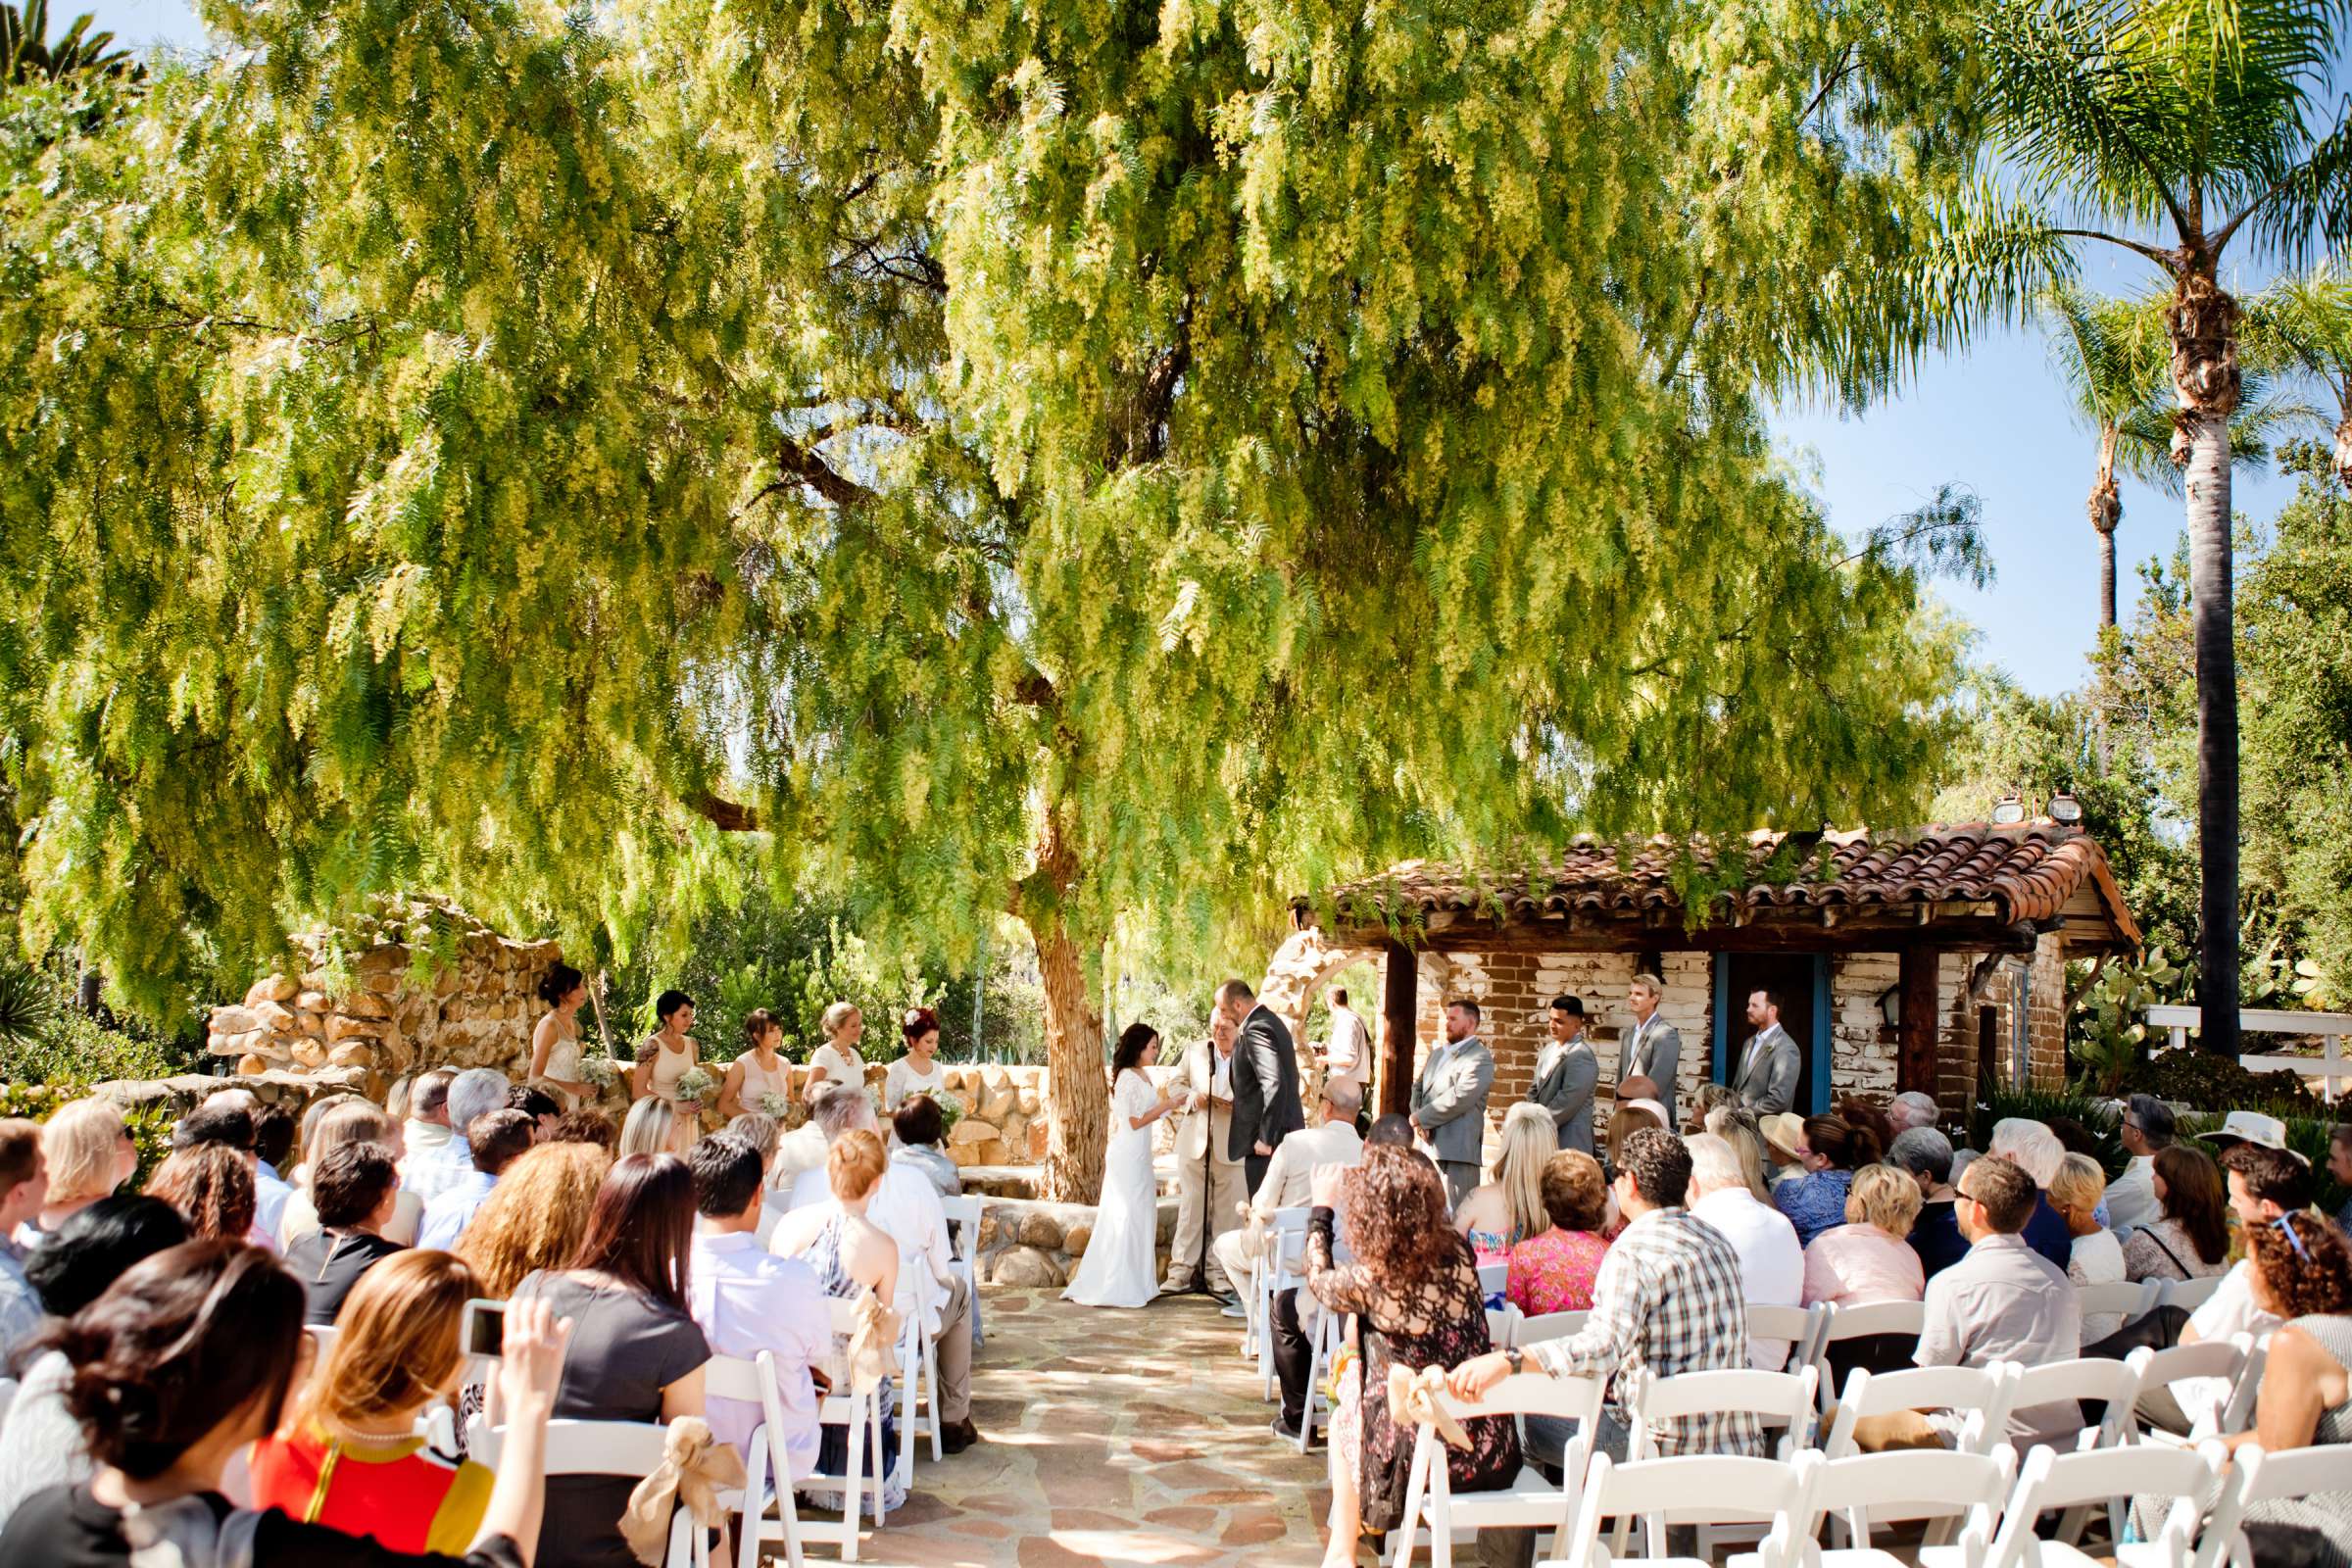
x=558 y=983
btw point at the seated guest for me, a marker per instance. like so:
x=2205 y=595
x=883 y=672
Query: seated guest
x=355 y=1189
x=2339 y=1166
x=636 y=1353
x=1413 y=1288
x=1925 y=1155
x=650 y=1128
x=1771 y=1266
x=1630 y=1116
x=40 y=1445
x=2036 y=1150
x=918 y=1127
x=189 y=1358
x=351 y=1458
x=536 y=1215
x=1910 y=1109
x=352 y=1121
x=1868 y=1258
x=1784 y=1135
x=2145 y=1130
x=850 y=1256
x=2188 y=1236
x=90 y=1153
x=2003 y=1301
x=1860 y=1113
x=473 y=1093
x=1669 y=1302
x=764 y=1134
x=494 y=1141
x=591 y=1127
x=1553 y=1270
x=1508 y=1207
x=426 y=1133
x=2098 y=1257
x=272 y=1143
x=224 y=1118
x=745 y=1300
x=212 y=1186
x=1711 y=1098
x=1738 y=1126
x=544 y=1109
x=2267 y=1181
x=24 y=1186
x=1829 y=1151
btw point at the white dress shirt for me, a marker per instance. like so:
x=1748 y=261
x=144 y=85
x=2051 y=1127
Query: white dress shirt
x=1772 y=1265
x=452 y=1209
x=435 y=1158
x=906 y=1209
x=2132 y=1198
x=747 y=1301
x=1350 y=1048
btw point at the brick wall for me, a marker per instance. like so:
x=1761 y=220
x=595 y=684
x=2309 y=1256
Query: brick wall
x=1863 y=1049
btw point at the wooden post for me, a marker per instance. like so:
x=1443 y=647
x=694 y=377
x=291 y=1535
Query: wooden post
x=1915 y=1054
x=1399 y=1005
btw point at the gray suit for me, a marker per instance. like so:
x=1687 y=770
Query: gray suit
x=1766 y=1077
x=1450 y=1105
x=1566 y=1093
x=1654 y=1051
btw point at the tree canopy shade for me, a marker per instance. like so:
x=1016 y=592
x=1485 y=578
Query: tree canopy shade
x=1106 y=465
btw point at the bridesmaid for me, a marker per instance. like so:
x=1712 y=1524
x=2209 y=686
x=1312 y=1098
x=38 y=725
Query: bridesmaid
x=837 y=1062
x=665 y=1054
x=917 y=1072
x=556 y=1041
x=759 y=1072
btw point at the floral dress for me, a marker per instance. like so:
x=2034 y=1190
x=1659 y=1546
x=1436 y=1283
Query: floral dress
x=1554 y=1272
x=1814 y=1201
x=1434 y=1322
x=823 y=1256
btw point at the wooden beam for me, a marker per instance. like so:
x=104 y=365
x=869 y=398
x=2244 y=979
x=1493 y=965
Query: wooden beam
x=1797 y=930
x=1915 y=1051
x=1399 y=1002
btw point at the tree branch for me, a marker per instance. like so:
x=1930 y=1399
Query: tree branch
x=729 y=816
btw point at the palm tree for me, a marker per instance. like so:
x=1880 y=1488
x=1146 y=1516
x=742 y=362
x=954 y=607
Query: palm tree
x=2170 y=129
x=2304 y=322
x=23 y=55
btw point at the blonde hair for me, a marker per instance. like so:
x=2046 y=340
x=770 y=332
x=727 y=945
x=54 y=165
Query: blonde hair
x=1884 y=1196
x=2077 y=1184
x=397 y=1344
x=1651 y=984
x=1623 y=1124
x=652 y=1127
x=80 y=1142
x=853 y=1164
x=835 y=1016
x=535 y=1216
x=350 y=1121
x=1736 y=1126
x=1529 y=1141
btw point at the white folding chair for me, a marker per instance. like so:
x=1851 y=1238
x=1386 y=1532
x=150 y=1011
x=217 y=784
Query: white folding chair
x=1330 y=1327
x=1782 y=1401
x=1494 y=1279
x=2260 y=1477
x=963 y=1240
x=1502 y=1324
x=2224 y=1359
x=1661 y=1492
x=2190 y=1294
x=1529 y=1502
x=2132 y=1301
x=1862 y=1322
x=1801 y=1326
x=2239 y=1414
x=1286 y=1230
x=631 y=1449
x=1916 y=1483
x=2091 y=1377
x=1527 y=1330
x=1283 y=1269
x=1986 y=1390
x=322 y=1341
x=918 y=1386
x=2057 y=1481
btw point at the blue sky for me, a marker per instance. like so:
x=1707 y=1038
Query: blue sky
x=1994 y=419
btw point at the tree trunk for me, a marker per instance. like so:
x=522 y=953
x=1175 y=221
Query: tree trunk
x=2211 y=592
x=2106 y=577
x=1077 y=1092
x=2106 y=509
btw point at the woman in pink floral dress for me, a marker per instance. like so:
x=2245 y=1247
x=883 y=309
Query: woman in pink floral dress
x=1553 y=1272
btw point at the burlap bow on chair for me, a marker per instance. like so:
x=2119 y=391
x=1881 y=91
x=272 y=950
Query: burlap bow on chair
x=875 y=1346
x=695 y=1468
x=1413 y=1398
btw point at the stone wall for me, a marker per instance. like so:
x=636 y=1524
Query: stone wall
x=1004 y=1113
x=411 y=984
x=1028 y=1243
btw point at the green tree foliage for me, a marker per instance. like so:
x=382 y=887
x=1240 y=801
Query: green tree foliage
x=27 y=54
x=1097 y=467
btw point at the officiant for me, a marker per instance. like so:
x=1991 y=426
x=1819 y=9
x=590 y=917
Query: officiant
x=1209 y=1184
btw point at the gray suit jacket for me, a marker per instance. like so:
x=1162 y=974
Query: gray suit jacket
x=1566 y=1093
x=1766 y=1074
x=1658 y=1057
x=1450 y=1100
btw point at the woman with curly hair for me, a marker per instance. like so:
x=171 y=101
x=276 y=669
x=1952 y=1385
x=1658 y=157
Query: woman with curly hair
x=211 y=1186
x=1413 y=1288
x=535 y=1216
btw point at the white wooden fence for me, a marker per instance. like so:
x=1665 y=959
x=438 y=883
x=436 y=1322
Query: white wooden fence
x=2329 y=1066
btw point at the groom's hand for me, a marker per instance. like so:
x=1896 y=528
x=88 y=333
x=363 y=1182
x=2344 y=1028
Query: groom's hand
x=1262 y=1148
x=1474 y=1377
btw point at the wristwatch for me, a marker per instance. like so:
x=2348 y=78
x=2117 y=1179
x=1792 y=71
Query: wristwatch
x=1515 y=1358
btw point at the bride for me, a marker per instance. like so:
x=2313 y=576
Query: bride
x=1121 y=1268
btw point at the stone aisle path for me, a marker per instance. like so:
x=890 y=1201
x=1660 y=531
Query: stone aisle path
x=1111 y=1438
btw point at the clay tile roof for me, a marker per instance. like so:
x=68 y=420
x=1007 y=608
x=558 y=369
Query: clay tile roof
x=2030 y=871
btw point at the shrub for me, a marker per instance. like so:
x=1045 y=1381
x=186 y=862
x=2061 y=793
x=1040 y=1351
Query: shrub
x=150 y=1124
x=2203 y=1081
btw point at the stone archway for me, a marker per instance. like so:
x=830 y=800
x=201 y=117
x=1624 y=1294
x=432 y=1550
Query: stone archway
x=1294 y=974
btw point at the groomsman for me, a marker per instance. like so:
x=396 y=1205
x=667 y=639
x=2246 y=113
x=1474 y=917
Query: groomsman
x=1266 y=1108
x=1449 y=1100
x=1768 y=1066
x=1208 y=1179
x=1653 y=1047
x=1566 y=1074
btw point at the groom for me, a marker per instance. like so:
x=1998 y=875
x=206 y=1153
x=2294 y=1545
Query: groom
x=1265 y=1082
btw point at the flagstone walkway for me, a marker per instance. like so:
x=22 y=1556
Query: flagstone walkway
x=1111 y=1438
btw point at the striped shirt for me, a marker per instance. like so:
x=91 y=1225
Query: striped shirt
x=1668 y=1302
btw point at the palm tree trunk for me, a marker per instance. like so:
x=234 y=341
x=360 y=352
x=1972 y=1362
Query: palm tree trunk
x=2211 y=592
x=2106 y=580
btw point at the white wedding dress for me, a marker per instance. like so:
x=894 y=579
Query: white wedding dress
x=1121 y=1268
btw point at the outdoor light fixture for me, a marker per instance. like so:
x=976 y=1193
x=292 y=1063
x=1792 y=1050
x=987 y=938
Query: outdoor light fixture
x=2009 y=810
x=1890 y=1006
x=2064 y=808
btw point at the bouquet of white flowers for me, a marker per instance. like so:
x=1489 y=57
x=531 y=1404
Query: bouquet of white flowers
x=602 y=1071
x=776 y=1105
x=951 y=1111
x=695 y=1084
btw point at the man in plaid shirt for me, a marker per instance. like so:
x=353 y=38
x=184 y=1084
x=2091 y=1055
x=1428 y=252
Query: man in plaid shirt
x=1668 y=1300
